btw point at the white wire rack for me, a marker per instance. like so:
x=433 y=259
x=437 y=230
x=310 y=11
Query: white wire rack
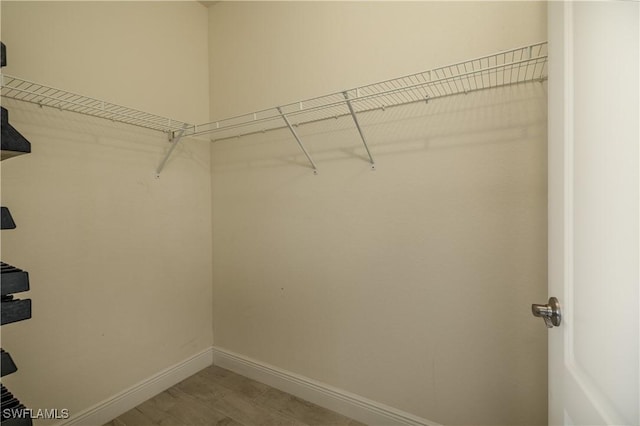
x=519 y=65
x=36 y=93
x=515 y=66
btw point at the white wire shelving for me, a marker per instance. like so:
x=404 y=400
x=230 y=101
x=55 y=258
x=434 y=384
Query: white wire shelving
x=514 y=66
x=39 y=94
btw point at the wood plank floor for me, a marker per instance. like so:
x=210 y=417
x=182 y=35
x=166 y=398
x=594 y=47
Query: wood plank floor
x=216 y=396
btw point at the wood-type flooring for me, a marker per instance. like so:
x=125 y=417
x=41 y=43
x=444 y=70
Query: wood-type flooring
x=216 y=396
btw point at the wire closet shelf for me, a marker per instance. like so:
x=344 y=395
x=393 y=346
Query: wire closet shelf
x=39 y=94
x=515 y=66
x=509 y=67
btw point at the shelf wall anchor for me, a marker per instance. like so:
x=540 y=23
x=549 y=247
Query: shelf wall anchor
x=174 y=142
x=295 y=135
x=355 y=120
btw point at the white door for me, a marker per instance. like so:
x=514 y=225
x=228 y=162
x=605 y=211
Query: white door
x=594 y=233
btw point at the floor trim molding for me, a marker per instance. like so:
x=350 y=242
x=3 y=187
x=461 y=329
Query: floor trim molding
x=122 y=402
x=338 y=400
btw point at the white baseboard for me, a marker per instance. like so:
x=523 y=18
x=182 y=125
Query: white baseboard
x=338 y=400
x=124 y=401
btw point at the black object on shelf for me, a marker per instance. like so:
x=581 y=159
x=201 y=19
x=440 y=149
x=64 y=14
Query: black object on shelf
x=6 y=221
x=13 y=143
x=14 y=310
x=17 y=421
x=6 y=363
x=12 y=411
x=12 y=279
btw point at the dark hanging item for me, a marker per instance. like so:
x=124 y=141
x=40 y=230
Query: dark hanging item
x=13 y=143
x=12 y=279
x=6 y=363
x=14 y=310
x=6 y=221
x=12 y=411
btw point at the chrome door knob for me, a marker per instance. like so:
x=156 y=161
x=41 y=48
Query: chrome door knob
x=550 y=312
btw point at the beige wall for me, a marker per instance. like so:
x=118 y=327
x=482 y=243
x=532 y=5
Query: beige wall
x=409 y=285
x=120 y=262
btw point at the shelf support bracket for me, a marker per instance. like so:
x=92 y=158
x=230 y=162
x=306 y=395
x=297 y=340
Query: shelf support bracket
x=355 y=120
x=295 y=135
x=175 y=139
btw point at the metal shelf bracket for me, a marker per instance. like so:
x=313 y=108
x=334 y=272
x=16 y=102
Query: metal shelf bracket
x=355 y=120
x=295 y=135
x=175 y=139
